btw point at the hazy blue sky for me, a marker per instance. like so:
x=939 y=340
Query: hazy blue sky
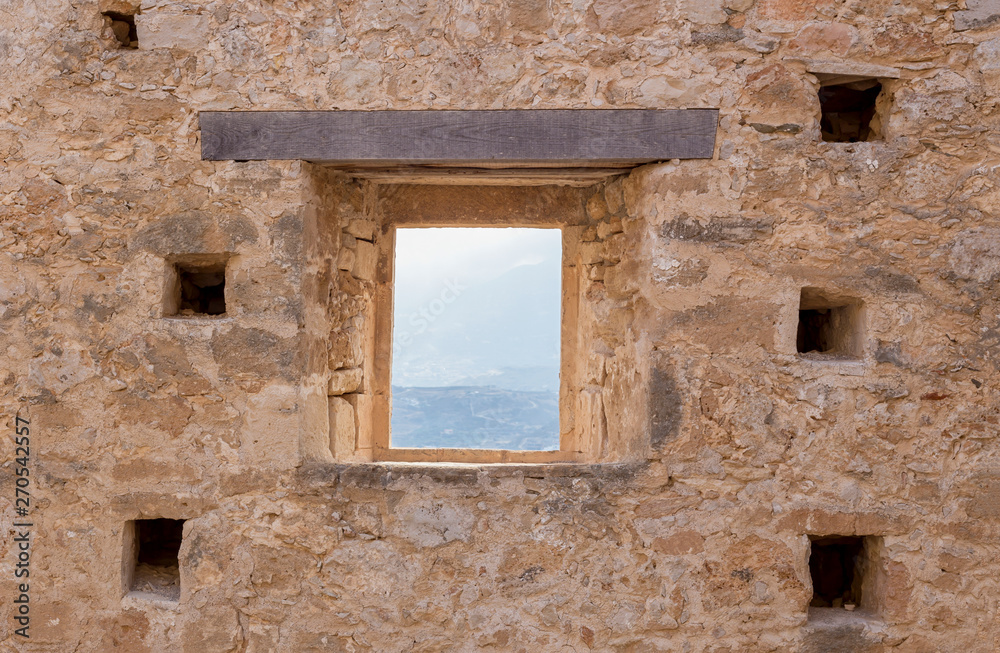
x=472 y=302
x=426 y=258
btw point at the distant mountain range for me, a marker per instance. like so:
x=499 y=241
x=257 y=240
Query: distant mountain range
x=475 y=418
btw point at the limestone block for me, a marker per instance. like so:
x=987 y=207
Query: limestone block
x=342 y=428
x=979 y=13
x=168 y=30
x=345 y=348
x=363 y=407
x=270 y=438
x=825 y=69
x=985 y=502
x=529 y=15
x=254 y=354
x=361 y=229
x=430 y=523
x=680 y=543
x=823 y=38
x=345 y=260
x=356 y=80
x=786 y=10
x=776 y=95
x=215 y=627
x=118 y=6
x=625 y=17
x=591 y=253
x=665 y=89
x=703 y=12
x=61 y=369
x=365 y=259
x=904 y=42
x=344 y=381
x=987 y=55
x=974 y=256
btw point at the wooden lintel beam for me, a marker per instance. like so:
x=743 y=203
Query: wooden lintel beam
x=555 y=137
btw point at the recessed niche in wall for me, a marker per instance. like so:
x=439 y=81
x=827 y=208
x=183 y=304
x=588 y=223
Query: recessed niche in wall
x=830 y=326
x=849 y=111
x=150 y=561
x=837 y=566
x=196 y=286
x=123 y=26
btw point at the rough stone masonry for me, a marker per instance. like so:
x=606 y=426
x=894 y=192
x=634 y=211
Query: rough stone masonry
x=721 y=450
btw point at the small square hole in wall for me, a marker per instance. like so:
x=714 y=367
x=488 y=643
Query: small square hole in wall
x=849 y=112
x=123 y=27
x=838 y=566
x=829 y=326
x=196 y=287
x=150 y=562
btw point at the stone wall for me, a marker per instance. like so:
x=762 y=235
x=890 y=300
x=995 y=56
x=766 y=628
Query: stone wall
x=725 y=449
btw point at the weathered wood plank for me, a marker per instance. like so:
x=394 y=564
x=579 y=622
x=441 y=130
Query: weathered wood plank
x=571 y=138
x=486 y=176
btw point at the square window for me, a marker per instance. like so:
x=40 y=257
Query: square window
x=476 y=338
x=849 y=111
x=123 y=27
x=473 y=343
x=830 y=327
x=150 y=562
x=479 y=315
x=837 y=566
x=196 y=287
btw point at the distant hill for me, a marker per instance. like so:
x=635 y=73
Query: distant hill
x=475 y=417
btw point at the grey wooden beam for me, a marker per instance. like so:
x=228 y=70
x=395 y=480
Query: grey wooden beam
x=532 y=138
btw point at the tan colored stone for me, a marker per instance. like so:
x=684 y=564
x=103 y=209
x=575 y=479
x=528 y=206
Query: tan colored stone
x=788 y=10
x=624 y=17
x=345 y=381
x=978 y=13
x=164 y=29
x=343 y=434
x=529 y=15
x=364 y=262
x=346 y=348
x=664 y=507
x=361 y=229
x=824 y=38
x=703 y=12
x=683 y=543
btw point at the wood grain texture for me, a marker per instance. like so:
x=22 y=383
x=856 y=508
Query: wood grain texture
x=486 y=176
x=574 y=138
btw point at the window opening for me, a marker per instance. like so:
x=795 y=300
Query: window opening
x=123 y=27
x=827 y=327
x=152 y=546
x=837 y=566
x=476 y=338
x=202 y=289
x=849 y=111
